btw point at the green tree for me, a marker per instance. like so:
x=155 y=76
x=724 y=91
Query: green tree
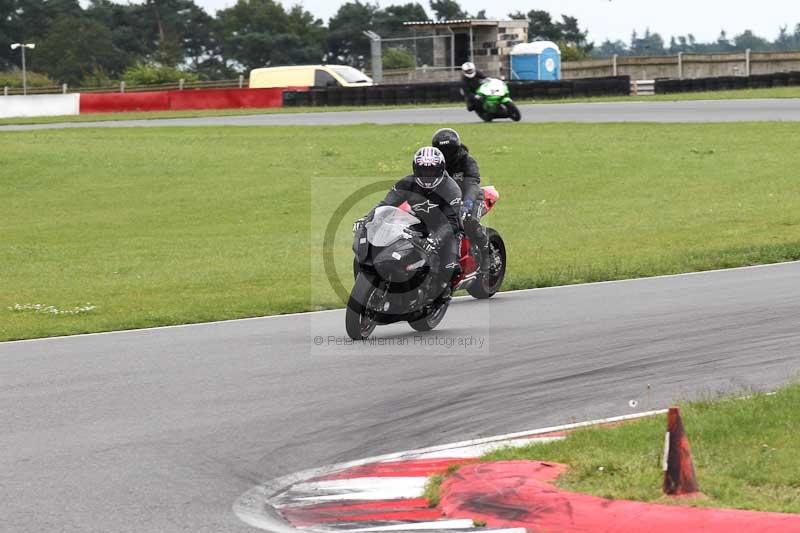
x=447 y=10
x=610 y=48
x=259 y=33
x=752 y=41
x=651 y=44
x=8 y=21
x=68 y=59
x=129 y=25
x=573 y=37
x=572 y=40
x=346 y=40
x=388 y=22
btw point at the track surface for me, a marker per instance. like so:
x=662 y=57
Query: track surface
x=161 y=430
x=684 y=111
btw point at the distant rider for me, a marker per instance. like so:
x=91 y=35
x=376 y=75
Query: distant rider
x=436 y=200
x=463 y=168
x=471 y=79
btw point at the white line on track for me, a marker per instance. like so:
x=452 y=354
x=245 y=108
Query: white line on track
x=310 y=313
x=441 y=524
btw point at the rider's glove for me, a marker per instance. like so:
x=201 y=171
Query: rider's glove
x=430 y=244
x=358 y=223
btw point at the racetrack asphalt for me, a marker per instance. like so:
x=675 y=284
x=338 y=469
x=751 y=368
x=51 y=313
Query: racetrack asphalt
x=638 y=111
x=163 y=429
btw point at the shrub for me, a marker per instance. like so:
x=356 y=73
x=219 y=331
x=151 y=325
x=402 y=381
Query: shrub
x=13 y=78
x=397 y=58
x=152 y=74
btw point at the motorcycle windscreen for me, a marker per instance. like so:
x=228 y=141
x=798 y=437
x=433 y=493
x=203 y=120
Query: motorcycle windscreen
x=493 y=87
x=388 y=225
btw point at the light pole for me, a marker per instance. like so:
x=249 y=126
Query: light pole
x=24 y=71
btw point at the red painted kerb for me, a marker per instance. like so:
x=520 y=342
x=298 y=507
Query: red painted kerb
x=521 y=494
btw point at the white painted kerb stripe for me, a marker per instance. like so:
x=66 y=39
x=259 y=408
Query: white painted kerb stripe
x=362 y=488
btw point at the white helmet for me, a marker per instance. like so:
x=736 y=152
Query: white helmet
x=468 y=69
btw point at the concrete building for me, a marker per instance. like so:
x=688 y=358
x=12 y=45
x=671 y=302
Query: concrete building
x=486 y=43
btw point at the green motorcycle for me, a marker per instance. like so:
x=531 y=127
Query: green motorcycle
x=495 y=101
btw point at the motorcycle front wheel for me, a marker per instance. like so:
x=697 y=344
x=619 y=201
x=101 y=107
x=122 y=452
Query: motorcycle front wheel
x=359 y=320
x=513 y=112
x=432 y=319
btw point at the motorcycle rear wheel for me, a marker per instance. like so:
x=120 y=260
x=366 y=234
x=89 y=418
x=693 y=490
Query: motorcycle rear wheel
x=359 y=320
x=488 y=283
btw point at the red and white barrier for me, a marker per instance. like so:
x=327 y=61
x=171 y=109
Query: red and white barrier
x=39 y=105
x=73 y=104
x=120 y=102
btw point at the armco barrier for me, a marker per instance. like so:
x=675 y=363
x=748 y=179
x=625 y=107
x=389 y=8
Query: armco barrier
x=46 y=105
x=427 y=93
x=118 y=102
x=723 y=83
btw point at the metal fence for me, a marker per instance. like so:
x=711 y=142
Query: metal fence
x=123 y=87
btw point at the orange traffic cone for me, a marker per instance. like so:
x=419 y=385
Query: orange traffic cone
x=679 y=476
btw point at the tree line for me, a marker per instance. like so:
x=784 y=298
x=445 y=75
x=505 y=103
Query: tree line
x=653 y=44
x=161 y=40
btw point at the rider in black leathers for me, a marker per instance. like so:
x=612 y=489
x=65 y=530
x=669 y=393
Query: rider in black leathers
x=436 y=200
x=463 y=168
x=471 y=79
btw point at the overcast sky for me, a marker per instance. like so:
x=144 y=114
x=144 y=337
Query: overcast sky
x=615 y=19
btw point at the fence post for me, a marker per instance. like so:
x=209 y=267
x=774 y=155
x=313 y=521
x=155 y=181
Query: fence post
x=241 y=80
x=180 y=84
x=375 y=45
x=64 y=88
x=680 y=65
x=122 y=86
x=614 y=64
x=747 y=62
x=5 y=90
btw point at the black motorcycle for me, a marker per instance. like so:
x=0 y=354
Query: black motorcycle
x=393 y=264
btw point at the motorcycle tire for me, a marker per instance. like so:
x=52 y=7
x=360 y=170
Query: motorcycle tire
x=513 y=112
x=359 y=321
x=486 y=117
x=488 y=283
x=433 y=318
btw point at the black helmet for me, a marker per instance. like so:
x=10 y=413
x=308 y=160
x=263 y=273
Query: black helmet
x=429 y=167
x=448 y=141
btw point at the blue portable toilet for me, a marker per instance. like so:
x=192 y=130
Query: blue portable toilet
x=540 y=60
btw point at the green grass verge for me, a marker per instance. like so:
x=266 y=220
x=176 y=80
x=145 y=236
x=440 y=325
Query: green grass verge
x=433 y=490
x=778 y=92
x=177 y=225
x=744 y=452
x=433 y=487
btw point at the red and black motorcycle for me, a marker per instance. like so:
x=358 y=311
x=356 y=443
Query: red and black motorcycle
x=392 y=271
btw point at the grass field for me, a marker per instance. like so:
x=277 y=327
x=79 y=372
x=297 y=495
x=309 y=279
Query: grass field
x=177 y=225
x=744 y=452
x=746 y=94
